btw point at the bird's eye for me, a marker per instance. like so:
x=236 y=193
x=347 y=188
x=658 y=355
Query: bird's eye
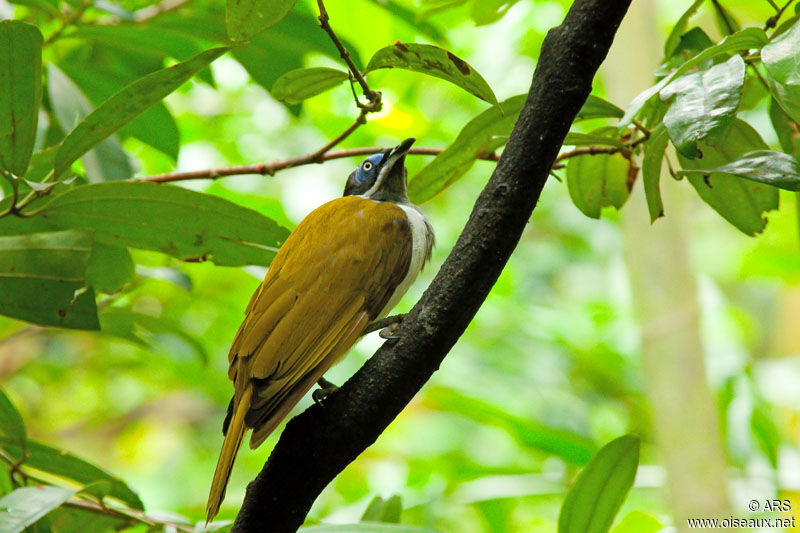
x=367 y=166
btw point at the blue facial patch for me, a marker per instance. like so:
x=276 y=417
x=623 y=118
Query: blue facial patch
x=368 y=167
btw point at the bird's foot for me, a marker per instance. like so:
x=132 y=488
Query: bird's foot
x=326 y=388
x=387 y=326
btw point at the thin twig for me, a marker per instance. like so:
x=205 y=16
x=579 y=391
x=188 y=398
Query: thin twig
x=281 y=164
x=773 y=20
x=126 y=514
x=724 y=16
x=150 y=12
x=374 y=97
x=774 y=5
x=319 y=154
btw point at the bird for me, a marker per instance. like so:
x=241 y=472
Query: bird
x=345 y=266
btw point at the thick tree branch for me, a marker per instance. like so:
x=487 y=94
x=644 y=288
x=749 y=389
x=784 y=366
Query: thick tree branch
x=322 y=441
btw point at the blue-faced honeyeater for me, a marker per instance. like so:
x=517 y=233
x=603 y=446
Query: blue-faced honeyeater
x=345 y=265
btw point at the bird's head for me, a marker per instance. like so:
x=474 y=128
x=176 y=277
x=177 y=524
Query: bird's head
x=382 y=176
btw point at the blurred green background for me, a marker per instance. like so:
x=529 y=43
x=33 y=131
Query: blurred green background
x=554 y=365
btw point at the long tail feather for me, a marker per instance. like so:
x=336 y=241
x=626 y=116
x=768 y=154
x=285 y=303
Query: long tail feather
x=233 y=440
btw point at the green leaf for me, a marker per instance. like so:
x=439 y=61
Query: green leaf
x=651 y=172
x=785 y=128
x=742 y=40
x=434 y=61
x=299 y=84
x=100 y=80
x=787 y=97
x=130 y=325
x=638 y=522
x=188 y=225
x=11 y=425
x=151 y=40
x=766 y=166
x=387 y=511
x=107 y=161
x=597 y=181
x=63 y=464
x=27 y=505
x=781 y=56
x=366 y=527
x=765 y=431
x=600 y=489
x=596 y=107
x=705 y=104
x=740 y=202
x=127 y=104
x=481 y=135
x=246 y=18
x=20 y=93
x=109 y=268
x=42 y=279
x=68 y=519
x=571 y=447
x=41 y=164
x=671 y=44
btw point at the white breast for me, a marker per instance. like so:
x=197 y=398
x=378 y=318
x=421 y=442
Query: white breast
x=422 y=242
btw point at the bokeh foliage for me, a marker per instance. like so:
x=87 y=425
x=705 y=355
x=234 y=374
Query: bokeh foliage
x=550 y=369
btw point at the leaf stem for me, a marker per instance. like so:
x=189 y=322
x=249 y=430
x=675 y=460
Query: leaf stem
x=273 y=167
x=773 y=20
x=374 y=97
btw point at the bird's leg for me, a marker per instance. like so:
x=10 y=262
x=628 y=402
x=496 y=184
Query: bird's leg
x=324 y=390
x=387 y=326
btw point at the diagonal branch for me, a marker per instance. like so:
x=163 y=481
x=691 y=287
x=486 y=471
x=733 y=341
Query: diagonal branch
x=322 y=441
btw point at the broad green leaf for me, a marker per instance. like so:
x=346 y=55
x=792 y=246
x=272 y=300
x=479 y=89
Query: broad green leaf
x=297 y=85
x=651 y=172
x=20 y=93
x=601 y=488
x=68 y=519
x=740 y=202
x=434 y=61
x=109 y=268
x=690 y=44
x=27 y=505
x=705 y=104
x=785 y=128
x=139 y=39
x=596 y=107
x=387 y=511
x=41 y=164
x=63 y=464
x=574 y=138
x=188 y=225
x=11 y=425
x=787 y=97
x=571 y=447
x=132 y=326
x=766 y=166
x=127 y=104
x=638 y=522
x=481 y=135
x=246 y=18
x=42 y=279
x=106 y=161
x=746 y=39
x=366 y=527
x=597 y=181
x=766 y=432
x=781 y=56
x=671 y=44
x=101 y=80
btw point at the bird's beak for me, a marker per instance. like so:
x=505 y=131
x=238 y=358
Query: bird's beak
x=391 y=181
